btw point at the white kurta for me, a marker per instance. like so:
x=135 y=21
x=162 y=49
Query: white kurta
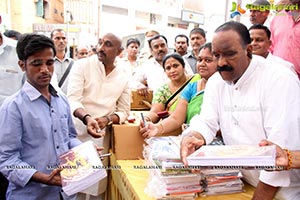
x=152 y=72
x=282 y=62
x=99 y=95
x=263 y=104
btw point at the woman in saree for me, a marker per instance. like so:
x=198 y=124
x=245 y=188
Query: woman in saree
x=166 y=98
x=190 y=100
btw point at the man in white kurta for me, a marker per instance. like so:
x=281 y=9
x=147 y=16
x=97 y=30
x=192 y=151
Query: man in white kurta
x=98 y=93
x=151 y=72
x=263 y=103
x=260 y=40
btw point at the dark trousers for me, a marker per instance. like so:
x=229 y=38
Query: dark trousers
x=3 y=186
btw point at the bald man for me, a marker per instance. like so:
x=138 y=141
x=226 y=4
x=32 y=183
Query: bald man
x=99 y=97
x=82 y=51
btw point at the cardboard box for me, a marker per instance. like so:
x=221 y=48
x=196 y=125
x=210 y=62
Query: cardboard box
x=139 y=102
x=127 y=141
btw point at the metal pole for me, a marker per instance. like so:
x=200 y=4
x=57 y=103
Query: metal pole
x=226 y=11
x=67 y=33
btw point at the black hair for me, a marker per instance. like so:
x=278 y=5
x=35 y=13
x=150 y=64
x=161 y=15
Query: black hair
x=175 y=56
x=198 y=30
x=58 y=30
x=156 y=37
x=239 y=28
x=32 y=43
x=261 y=27
x=206 y=46
x=12 y=34
x=182 y=35
x=132 y=40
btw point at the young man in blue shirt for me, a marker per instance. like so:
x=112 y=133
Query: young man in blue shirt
x=36 y=126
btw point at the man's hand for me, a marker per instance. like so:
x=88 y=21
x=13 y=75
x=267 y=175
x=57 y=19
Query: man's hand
x=52 y=179
x=264 y=191
x=143 y=90
x=93 y=128
x=102 y=122
x=91 y=124
x=189 y=144
x=281 y=156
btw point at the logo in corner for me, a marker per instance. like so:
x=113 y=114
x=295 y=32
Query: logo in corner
x=236 y=10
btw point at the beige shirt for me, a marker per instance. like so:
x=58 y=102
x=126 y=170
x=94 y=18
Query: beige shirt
x=99 y=95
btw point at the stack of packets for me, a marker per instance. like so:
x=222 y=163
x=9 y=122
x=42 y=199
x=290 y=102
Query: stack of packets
x=220 y=165
x=217 y=182
x=82 y=168
x=234 y=156
x=168 y=178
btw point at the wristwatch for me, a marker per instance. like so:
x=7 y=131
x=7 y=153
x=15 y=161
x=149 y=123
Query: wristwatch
x=109 y=120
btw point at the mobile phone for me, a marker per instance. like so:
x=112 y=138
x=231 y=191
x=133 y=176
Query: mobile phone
x=163 y=114
x=143 y=120
x=105 y=155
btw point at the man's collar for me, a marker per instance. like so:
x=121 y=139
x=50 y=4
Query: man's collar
x=189 y=54
x=65 y=59
x=7 y=41
x=33 y=93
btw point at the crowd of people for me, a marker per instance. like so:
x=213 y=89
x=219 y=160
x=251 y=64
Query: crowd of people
x=242 y=85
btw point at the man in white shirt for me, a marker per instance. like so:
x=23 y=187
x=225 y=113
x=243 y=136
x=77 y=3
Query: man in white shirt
x=11 y=75
x=99 y=96
x=249 y=100
x=260 y=41
x=151 y=74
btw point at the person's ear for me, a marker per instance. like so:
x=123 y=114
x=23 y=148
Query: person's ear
x=270 y=42
x=120 y=50
x=249 y=50
x=22 y=65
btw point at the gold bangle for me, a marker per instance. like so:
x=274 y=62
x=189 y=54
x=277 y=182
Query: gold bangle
x=290 y=162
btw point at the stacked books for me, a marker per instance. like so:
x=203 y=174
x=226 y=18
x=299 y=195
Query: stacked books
x=217 y=182
x=169 y=178
x=82 y=168
x=234 y=157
